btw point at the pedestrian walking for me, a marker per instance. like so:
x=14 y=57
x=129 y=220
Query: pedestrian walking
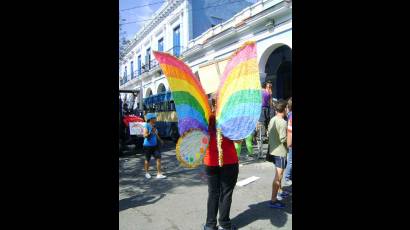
x=277 y=151
x=150 y=145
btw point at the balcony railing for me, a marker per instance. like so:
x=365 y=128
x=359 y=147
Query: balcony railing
x=124 y=80
x=149 y=66
x=144 y=69
x=176 y=50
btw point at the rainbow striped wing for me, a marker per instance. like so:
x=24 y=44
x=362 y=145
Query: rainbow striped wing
x=239 y=94
x=192 y=109
x=190 y=99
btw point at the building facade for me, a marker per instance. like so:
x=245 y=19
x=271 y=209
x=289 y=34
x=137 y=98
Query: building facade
x=174 y=26
x=269 y=24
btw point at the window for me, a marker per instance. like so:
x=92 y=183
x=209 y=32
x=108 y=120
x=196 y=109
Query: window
x=148 y=59
x=161 y=44
x=176 y=49
x=125 y=74
x=132 y=69
x=139 y=65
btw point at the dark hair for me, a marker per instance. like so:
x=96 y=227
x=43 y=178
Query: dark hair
x=212 y=100
x=266 y=83
x=290 y=104
x=280 y=106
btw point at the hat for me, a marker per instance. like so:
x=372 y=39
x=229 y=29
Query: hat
x=150 y=116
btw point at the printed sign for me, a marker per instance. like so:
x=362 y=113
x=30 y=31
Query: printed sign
x=136 y=128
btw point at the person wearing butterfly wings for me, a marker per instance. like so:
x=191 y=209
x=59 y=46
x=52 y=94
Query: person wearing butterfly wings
x=221 y=180
x=207 y=135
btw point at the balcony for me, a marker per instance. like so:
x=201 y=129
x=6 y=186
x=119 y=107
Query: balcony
x=149 y=66
x=145 y=68
x=124 y=79
x=176 y=51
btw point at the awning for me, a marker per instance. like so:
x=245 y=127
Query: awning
x=158 y=98
x=210 y=73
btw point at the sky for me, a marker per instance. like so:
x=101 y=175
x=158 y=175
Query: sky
x=137 y=14
x=143 y=12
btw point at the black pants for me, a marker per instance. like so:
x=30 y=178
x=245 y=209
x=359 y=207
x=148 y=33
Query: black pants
x=221 y=182
x=265 y=116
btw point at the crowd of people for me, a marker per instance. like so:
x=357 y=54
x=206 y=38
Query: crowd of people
x=276 y=117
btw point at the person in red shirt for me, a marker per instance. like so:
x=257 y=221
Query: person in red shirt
x=221 y=180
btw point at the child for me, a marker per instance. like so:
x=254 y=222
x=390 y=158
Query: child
x=150 y=146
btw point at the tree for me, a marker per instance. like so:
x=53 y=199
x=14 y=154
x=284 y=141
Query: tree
x=123 y=41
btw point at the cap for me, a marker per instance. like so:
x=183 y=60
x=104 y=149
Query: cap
x=150 y=116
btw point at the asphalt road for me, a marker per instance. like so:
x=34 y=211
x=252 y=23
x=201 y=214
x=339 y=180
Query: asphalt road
x=179 y=201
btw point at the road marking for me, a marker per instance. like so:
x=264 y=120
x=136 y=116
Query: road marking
x=247 y=181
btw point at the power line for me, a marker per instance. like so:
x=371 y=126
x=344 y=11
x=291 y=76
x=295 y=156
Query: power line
x=153 y=3
x=177 y=13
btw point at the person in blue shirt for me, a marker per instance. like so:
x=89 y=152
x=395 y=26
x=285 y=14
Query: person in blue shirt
x=150 y=145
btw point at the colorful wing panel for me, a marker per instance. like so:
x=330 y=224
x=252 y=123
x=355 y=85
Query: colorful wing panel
x=190 y=99
x=239 y=94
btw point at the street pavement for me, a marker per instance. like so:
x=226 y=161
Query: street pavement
x=178 y=202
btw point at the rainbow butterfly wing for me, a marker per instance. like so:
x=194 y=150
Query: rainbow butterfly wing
x=192 y=109
x=190 y=99
x=239 y=95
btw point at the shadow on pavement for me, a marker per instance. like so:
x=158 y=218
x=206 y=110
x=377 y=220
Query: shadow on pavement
x=278 y=217
x=138 y=200
x=140 y=191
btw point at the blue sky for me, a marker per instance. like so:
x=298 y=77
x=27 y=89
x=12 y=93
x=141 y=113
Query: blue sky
x=137 y=14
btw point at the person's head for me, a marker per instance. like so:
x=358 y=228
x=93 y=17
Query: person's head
x=151 y=118
x=280 y=106
x=290 y=104
x=212 y=101
x=269 y=85
x=274 y=101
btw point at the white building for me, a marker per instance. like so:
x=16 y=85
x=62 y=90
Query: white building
x=191 y=29
x=269 y=24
